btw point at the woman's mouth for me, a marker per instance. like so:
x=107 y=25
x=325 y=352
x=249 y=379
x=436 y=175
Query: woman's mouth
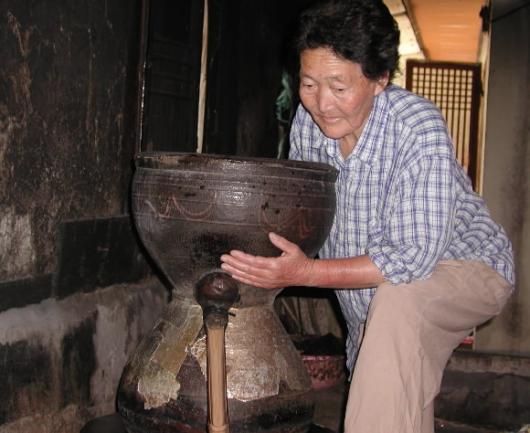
x=329 y=119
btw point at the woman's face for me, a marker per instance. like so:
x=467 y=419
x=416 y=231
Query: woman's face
x=337 y=94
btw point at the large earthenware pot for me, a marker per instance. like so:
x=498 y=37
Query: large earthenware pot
x=189 y=209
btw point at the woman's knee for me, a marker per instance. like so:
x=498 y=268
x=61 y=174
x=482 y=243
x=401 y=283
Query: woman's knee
x=395 y=304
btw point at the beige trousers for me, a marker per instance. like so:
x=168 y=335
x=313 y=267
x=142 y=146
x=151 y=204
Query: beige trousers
x=410 y=333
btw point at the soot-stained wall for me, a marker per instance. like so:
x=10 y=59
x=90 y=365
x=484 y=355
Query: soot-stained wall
x=67 y=112
x=74 y=298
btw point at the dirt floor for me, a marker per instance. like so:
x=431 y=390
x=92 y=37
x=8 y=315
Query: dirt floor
x=329 y=410
x=330 y=404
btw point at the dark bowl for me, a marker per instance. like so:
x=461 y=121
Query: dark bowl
x=191 y=208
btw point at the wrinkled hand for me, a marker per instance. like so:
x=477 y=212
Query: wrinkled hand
x=291 y=268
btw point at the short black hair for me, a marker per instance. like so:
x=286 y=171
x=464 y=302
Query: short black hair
x=362 y=31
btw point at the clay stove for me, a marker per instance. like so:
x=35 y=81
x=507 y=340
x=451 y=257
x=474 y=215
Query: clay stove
x=189 y=209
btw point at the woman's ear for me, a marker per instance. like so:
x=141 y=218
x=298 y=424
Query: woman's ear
x=381 y=83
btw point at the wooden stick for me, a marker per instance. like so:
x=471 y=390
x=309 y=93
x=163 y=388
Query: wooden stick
x=217 y=401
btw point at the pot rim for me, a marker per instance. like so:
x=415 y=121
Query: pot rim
x=210 y=162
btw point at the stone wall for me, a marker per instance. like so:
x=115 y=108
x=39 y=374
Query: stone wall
x=61 y=360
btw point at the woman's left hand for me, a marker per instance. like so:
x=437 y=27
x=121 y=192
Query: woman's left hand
x=291 y=268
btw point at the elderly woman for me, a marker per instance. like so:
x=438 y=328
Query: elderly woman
x=417 y=260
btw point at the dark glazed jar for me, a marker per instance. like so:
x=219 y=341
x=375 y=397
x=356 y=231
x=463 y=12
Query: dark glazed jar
x=189 y=209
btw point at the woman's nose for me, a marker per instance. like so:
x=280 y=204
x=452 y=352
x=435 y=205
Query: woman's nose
x=324 y=100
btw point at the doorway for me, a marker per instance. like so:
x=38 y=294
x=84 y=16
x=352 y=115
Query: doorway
x=171 y=71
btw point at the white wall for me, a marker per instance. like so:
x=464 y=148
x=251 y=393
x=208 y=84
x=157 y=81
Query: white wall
x=506 y=185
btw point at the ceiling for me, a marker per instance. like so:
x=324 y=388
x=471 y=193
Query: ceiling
x=439 y=30
x=446 y=30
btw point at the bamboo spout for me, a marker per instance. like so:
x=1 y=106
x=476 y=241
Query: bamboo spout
x=217 y=401
x=216 y=292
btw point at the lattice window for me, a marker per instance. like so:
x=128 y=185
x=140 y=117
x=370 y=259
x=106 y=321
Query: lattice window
x=455 y=89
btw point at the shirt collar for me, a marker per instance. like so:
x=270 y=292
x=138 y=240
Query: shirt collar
x=329 y=144
x=368 y=148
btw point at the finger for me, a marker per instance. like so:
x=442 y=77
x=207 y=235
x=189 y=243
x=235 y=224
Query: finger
x=234 y=270
x=238 y=259
x=258 y=263
x=227 y=258
x=247 y=278
x=241 y=255
x=283 y=244
x=245 y=270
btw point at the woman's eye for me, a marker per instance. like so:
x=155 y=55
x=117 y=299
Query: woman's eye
x=307 y=87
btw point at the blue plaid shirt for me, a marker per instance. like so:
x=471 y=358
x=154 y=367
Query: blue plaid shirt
x=402 y=198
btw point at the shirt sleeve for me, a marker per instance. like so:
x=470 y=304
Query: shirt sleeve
x=407 y=245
